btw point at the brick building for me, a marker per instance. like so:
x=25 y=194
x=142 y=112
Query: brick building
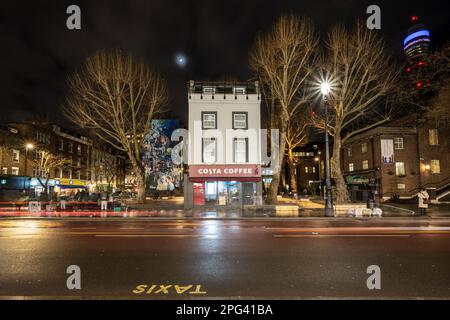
x=398 y=159
x=87 y=163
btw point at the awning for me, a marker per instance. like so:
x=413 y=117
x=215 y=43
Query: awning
x=201 y=180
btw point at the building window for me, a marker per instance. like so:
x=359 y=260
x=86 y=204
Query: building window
x=79 y=163
x=15 y=171
x=60 y=172
x=401 y=186
x=400 y=169
x=433 y=137
x=365 y=165
x=70 y=147
x=209 y=90
x=239 y=90
x=240 y=120
x=435 y=166
x=209 y=120
x=209 y=150
x=351 y=167
x=398 y=144
x=61 y=144
x=15 y=155
x=5 y=171
x=79 y=149
x=70 y=173
x=240 y=150
x=364 y=147
x=349 y=152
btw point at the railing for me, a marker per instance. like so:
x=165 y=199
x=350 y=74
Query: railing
x=224 y=87
x=441 y=187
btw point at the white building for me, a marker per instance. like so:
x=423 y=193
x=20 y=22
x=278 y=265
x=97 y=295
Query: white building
x=224 y=149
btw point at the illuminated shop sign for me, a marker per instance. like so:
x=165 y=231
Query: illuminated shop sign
x=225 y=171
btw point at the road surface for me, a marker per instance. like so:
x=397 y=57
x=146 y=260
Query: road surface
x=243 y=259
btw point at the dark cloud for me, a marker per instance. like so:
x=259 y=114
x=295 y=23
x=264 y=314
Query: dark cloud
x=38 y=52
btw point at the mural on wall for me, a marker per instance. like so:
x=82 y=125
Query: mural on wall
x=161 y=173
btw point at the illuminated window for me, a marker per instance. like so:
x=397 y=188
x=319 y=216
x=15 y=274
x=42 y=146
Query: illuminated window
x=5 y=170
x=15 y=171
x=400 y=169
x=209 y=120
x=240 y=120
x=209 y=150
x=433 y=137
x=16 y=156
x=351 y=167
x=435 y=166
x=398 y=144
x=365 y=164
x=240 y=150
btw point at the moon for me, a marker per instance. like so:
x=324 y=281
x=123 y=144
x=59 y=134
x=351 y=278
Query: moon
x=180 y=60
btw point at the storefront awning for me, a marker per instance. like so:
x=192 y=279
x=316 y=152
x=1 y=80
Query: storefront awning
x=201 y=180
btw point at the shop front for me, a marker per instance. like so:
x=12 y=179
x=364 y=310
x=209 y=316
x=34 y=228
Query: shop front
x=361 y=186
x=224 y=185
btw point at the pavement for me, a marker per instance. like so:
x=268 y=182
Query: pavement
x=228 y=259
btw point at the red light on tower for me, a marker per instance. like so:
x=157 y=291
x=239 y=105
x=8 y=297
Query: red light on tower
x=419 y=85
x=414 y=19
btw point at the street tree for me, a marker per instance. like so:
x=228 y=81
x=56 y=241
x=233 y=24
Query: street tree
x=282 y=60
x=45 y=162
x=362 y=76
x=116 y=97
x=296 y=136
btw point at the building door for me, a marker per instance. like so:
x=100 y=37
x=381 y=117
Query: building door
x=199 y=194
x=248 y=193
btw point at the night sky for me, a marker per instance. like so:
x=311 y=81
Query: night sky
x=38 y=52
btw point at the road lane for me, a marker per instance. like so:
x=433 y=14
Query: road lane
x=271 y=259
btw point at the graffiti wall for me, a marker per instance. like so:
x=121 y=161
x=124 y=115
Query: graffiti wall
x=161 y=173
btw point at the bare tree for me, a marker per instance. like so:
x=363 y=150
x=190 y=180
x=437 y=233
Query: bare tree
x=117 y=97
x=361 y=76
x=282 y=59
x=296 y=136
x=46 y=162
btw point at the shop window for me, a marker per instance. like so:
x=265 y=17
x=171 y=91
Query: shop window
x=435 y=166
x=240 y=150
x=398 y=144
x=433 y=137
x=209 y=120
x=351 y=167
x=240 y=120
x=364 y=147
x=15 y=171
x=400 y=169
x=209 y=152
x=365 y=164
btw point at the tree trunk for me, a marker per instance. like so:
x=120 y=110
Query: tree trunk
x=342 y=195
x=293 y=178
x=140 y=181
x=273 y=191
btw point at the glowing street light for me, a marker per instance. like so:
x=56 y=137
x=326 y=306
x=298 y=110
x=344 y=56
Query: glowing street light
x=29 y=146
x=325 y=89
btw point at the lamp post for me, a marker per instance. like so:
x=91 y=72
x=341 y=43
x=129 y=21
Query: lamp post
x=28 y=146
x=325 y=89
x=320 y=174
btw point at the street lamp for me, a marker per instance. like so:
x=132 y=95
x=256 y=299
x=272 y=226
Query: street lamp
x=28 y=146
x=325 y=89
x=317 y=159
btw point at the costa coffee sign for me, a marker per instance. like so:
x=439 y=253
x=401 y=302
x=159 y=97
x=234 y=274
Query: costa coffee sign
x=225 y=171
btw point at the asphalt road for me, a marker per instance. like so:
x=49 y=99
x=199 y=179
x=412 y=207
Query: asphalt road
x=248 y=259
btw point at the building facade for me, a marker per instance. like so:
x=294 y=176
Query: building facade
x=80 y=165
x=399 y=159
x=223 y=151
